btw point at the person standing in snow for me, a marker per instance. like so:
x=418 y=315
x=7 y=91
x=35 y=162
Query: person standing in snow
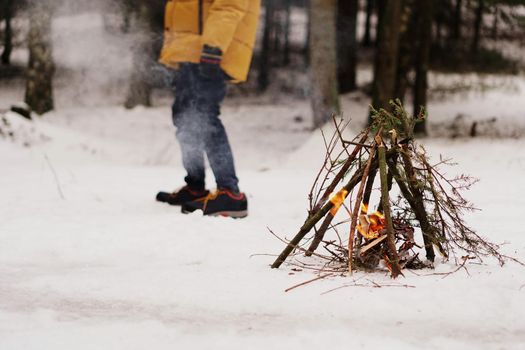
x=208 y=43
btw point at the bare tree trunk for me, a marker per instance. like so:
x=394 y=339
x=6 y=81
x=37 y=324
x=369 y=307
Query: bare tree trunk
x=287 y=26
x=41 y=68
x=495 y=22
x=478 y=23
x=7 y=9
x=405 y=59
x=456 y=32
x=306 y=49
x=425 y=15
x=347 y=44
x=278 y=33
x=367 y=40
x=323 y=60
x=439 y=35
x=386 y=59
x=380 y=10
x=263 y=79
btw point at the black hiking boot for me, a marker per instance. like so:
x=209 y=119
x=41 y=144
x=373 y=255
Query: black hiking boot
x=220 y=203
x=179 y=197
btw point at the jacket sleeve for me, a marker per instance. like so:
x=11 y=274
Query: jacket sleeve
x=223 y=18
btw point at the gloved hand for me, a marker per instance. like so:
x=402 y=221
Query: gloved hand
x=210 y=62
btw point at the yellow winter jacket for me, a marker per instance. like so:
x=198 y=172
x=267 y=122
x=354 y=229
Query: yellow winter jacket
x=230 y=25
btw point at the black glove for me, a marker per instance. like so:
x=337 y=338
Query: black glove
x=210 y=62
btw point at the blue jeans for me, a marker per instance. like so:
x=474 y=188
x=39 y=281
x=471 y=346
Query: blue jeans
x=196 y=113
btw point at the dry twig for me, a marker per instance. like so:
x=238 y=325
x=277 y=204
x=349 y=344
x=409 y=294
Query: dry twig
x=309 y=281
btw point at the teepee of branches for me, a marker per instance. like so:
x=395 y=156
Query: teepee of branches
x=414 y=195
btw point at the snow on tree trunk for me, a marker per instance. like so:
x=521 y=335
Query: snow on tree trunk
x=323 y=60
x=41 y=68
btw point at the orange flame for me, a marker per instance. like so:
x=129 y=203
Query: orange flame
x=370 y=225
x=338 y=200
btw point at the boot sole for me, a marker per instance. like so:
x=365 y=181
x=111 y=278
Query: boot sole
x=167 y=201
x=231 y=214
x=170 y=203
x=164 y=197
x=187 y=211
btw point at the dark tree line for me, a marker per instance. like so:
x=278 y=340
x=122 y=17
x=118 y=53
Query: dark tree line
x=412 y=32
x=403 y=45
x=405 y=37
x=147 y=19
x=40 y=67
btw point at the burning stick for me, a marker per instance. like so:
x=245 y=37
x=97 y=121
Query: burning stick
x=366 y=198
x=337 y=201
x=311 y=221
x=348 y=163
x=393 y=258
x=372 y=244
x=315 y=217
x=357 y=205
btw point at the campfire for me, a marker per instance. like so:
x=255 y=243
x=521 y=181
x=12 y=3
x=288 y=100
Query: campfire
x=371 y=226
x=427 y=203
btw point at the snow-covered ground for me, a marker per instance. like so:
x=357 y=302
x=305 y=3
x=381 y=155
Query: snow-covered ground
x=88 y=259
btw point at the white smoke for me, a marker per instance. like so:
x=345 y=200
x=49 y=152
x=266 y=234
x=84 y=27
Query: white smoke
x=93 y=55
